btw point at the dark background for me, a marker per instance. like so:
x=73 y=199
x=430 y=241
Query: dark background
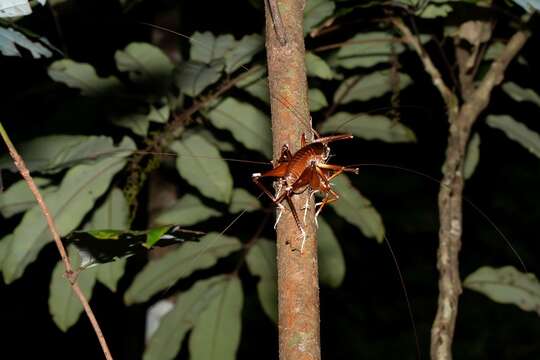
x=367 y=316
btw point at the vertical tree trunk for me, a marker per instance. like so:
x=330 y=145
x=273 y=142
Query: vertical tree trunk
x=298 y=283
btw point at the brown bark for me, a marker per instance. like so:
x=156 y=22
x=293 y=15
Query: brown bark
x=461 y=119
x=297 y=272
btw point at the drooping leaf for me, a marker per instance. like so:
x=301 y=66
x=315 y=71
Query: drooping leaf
x=76 y=195
x=369 y=127
x=518 y=93
x=165 y=342
x=246 y=123
x=189 y=210
x=11 y=38
x=206 y=48
x=216 y=333
x=516 y=131
x=315 y=12
x=159 y=274
x=243 y=200
x=331 y=260
x=193 y=77
x=261 y=261
x=506 y=285
x=363 y=88
x=146 y=64
x=242 y=52
x=317 y=100
x=83 y=77
x=366 y=50
x=472 y=157
x=104 y=246
x=53 y=153
x=64 y=305
x=357 y=210
x=112 y=214
x=315 y=66
x=200 y=164
x=18 y=197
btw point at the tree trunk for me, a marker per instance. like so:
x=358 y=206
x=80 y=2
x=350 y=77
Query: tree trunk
x=298 y=284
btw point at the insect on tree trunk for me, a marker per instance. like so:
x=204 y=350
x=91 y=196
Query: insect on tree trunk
x=298 y=283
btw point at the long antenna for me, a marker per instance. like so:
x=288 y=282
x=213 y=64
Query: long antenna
x=467 y=200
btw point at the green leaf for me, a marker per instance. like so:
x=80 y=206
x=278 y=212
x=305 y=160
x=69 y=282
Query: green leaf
x=76 y=195
x=159 y=274
x=193 y=77
x=369 y=127
x=331 y=260
x=216 y=334
x=173 y=327
x=145 y=63
x=53 y=153
x=433 y=11
x=248 y=125
x=507 y=285
x=83 y=77
x=357 y=210
x=366 y=50
x=208 y=136
x=64 y=305
x=256 y=84
x=5 y=243
x=518 y=93
x=472 y=157
x=363 y=88
x=200 y=164
x=18 y=197
x=242 y=52
x=138 y=123
x=189 y=210
x=315 y=12
x=10 y=39
x=160 y=115
x=494 y=50
x=516 y=131
x=103 y=246
x=317 y=100
x=261 y=261
x=113 y=214
x=206 y=48
x=243 y=200
x=316 y=66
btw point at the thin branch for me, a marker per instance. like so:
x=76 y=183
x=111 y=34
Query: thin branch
x=70 y=274
x=298 y=285
x=447 y=95
x=451 y=196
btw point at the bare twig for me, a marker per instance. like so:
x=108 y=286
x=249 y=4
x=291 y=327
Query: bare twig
x=447 y=95
x=70 y=274
x=298 y=289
